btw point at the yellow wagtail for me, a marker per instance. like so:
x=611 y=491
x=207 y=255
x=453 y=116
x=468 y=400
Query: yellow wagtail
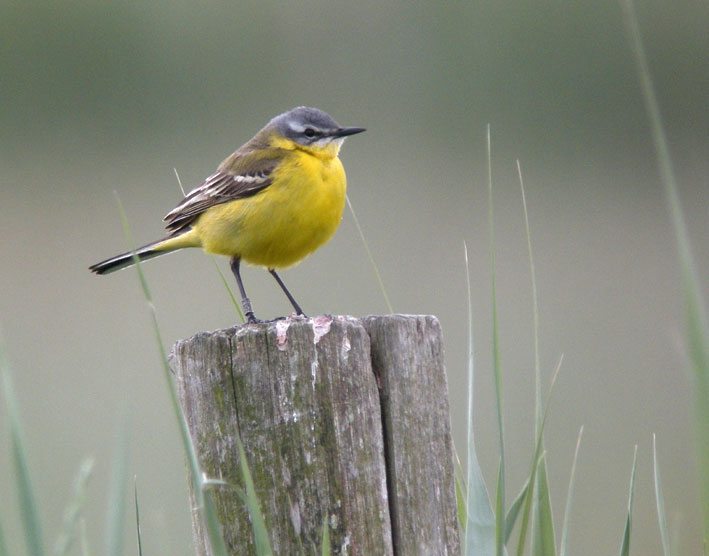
x=273 y=202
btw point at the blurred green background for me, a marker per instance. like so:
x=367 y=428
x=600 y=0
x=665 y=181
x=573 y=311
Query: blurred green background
x=97 y=97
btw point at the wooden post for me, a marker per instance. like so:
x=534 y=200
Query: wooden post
x=340 y=418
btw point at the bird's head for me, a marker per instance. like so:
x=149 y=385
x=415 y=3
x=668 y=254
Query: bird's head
x=309 y=129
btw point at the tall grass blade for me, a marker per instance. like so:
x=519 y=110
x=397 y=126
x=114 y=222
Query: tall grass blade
x=137 y=517
x=72 y=513
x=250 y=500
x=543 y=541
x=325 y=550
x=84 y=538
x=542 y=524
x=532 y=480
x=625 y=545
x=29 y=513
x=229 y=290
x=535 y=312
x=513 y=512
x=460 y=493
x=221 y=274
x=115 y=516
x=500 y=510
x=203 y=498
x=567 y=511
x=479 y=517
x=371 y=258
x=179 y=182
x=500 y=496
x=261 y=541
x=695 y=309
x=664 y=534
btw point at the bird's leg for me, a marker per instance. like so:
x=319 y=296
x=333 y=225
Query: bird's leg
x=293 y=302
x=245 y=302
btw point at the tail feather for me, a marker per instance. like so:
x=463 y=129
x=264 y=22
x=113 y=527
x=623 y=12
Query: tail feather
x=126 y=259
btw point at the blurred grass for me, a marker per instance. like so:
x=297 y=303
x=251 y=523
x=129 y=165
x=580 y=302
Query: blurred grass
x=476 y=512
x=201 y=484
x=370 y=256
x=137 y=517
x=227 y=287
x=500 y=526
x=625 y=544
x=117 y=487
x=478 y=532
x=543 y=541
x=536 y=488
x=28 y=509
x=660 y=502
x=563 y=545
x=696 y=339
x=70 y=531
x=203 y=497
x=697 y=325
x=250 y=498
x=534 y=498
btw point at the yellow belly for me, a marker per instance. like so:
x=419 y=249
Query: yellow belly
x=287 y=221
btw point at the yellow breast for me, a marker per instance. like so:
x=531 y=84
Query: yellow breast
x=287 y=221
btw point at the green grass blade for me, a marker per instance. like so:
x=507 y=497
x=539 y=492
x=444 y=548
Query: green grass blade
x=115 y=516
x=461 y=508
x=460 y=491
x=567 y=511
x=179 y=182
x=664 y=534
x=543 y=527
x=325 y=550
x=479 y=517
x=72 y=513
x=529 y=498
x=695 y=309
x=250 y=500
x=137 y=517
x=500 y=496
x=625 y=545
x=212 y=524
x=543 y=541
x=214 y=260
x=84 y=538
x=513 y=512
x=29 y=513
x=500 y=511
x=229 y=290
x=371 y=258
x=204 y=499
x=535 y=312
x=261 y=541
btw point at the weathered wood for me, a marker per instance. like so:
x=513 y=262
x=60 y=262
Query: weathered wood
x=303 y=396
x=407 y=355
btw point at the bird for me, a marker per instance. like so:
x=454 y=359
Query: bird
x=271 y=203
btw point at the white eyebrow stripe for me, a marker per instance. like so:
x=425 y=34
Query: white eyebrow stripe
x=296 y=127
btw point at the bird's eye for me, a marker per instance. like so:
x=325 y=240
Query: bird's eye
x=309 y=132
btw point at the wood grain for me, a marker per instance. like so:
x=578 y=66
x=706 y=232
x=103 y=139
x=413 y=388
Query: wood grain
x=304 y=397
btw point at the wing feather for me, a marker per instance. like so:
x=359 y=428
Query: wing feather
x=238 y=177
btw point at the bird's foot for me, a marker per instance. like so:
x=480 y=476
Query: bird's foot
x=251 y=319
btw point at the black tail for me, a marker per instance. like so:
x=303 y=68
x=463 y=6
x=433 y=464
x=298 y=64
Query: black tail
x=126 y=259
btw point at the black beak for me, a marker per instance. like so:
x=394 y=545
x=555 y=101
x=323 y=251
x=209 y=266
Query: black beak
x=345 y=131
